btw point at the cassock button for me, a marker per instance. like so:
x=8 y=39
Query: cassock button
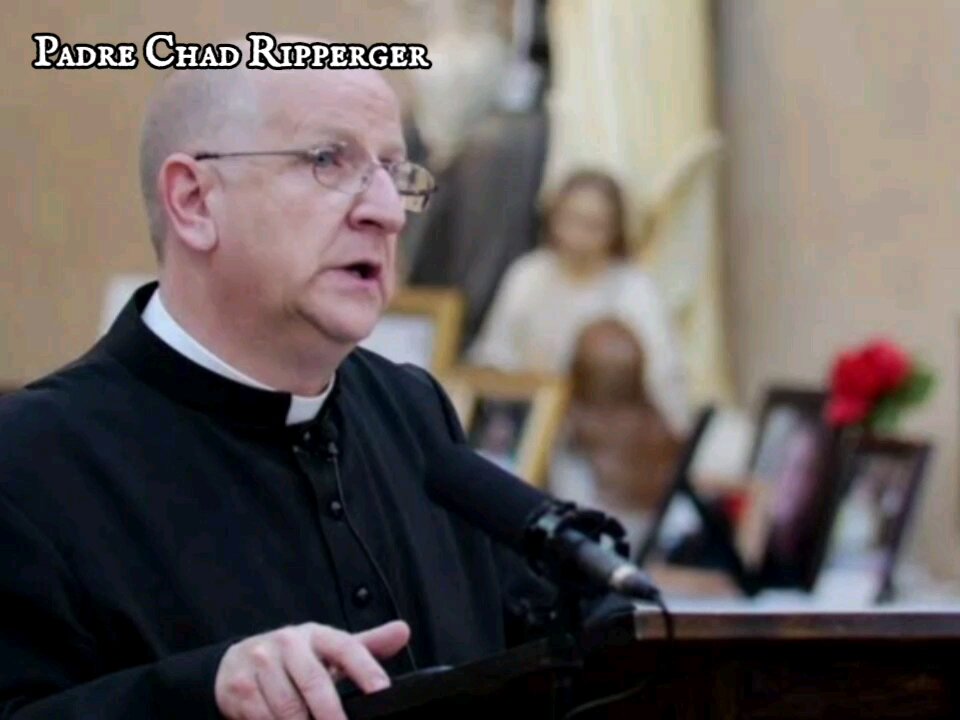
x=362 y=596
x=336 y=509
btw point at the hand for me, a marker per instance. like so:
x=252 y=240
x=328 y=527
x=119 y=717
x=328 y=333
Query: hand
x=289 y=674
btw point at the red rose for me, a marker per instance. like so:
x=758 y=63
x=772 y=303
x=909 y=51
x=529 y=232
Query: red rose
x=865 y=376
x=847 y=410
x=891 y=364
x=856 y=376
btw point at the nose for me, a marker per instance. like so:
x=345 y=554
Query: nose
x=379 y=206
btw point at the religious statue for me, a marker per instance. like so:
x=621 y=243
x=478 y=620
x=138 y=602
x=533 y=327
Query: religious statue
x=618 y=451
x=479 y=111
x=579 y=274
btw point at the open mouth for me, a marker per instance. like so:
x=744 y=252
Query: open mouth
x=364 y=270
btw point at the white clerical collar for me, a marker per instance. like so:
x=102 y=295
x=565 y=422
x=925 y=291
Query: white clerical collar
x=156 y=317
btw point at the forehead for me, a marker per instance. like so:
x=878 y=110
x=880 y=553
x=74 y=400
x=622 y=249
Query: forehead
x=303 y=107
x=586 y=199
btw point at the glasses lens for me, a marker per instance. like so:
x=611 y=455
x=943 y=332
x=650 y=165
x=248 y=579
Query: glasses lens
x=340 y=167
x=415 y=203
x=415 y=184
x=345 y=167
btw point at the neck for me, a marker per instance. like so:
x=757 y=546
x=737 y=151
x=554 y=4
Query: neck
x=583 y=267
x=238 y=338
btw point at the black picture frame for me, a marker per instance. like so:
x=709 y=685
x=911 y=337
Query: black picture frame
x=880 y=485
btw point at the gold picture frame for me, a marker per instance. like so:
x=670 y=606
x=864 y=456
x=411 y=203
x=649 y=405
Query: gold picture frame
x=513 y=418
x=423 y=326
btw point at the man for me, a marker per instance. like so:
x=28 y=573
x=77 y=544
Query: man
x=219 y=509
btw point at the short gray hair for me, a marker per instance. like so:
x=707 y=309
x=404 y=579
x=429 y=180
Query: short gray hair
x=189 y=110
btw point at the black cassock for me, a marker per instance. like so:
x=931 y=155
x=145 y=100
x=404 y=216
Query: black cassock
x=152 y=513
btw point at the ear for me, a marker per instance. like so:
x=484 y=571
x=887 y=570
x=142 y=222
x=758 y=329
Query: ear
x=184 y=186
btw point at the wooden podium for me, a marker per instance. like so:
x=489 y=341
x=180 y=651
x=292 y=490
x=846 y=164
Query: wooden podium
x=718 y=665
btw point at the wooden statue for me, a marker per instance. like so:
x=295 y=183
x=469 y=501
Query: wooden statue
x=612 y=422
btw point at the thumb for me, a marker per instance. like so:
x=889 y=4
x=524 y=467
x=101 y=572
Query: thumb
x=387 y=639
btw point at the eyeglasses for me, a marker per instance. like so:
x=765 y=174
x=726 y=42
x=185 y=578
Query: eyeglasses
x=346 y=168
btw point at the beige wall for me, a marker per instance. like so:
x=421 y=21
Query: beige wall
x=72 y=216
x=843 y=209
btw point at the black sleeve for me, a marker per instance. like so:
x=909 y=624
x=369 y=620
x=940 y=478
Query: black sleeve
x=49 y=663
x=528 y=599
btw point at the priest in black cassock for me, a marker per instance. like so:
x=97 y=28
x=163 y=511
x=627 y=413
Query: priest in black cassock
x=218 y=510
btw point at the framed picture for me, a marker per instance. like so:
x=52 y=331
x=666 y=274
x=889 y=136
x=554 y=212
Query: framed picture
x=879 y=491
x=688 y=543
x=422 y=326
x=793 y=466
x=511 y=418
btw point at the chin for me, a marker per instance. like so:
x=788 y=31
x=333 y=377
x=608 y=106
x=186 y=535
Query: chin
x=343 y=317
x=346 y=327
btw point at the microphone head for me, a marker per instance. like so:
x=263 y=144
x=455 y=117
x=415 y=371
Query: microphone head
x=484 y=494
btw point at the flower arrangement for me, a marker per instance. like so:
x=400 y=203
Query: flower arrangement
x=872 y=385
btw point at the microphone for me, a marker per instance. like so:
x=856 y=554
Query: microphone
x=557 y=538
